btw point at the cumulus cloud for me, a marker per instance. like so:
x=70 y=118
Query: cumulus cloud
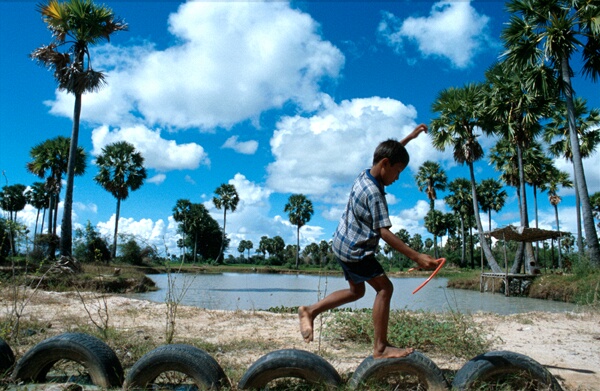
x=453 y=30
x=159 y=154
x=320 y=155
x=244 y=147
x=231 y=62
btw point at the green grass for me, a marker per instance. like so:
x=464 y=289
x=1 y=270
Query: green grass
x=449 y=333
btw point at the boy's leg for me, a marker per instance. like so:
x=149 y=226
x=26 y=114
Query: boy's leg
x=307 y=314
x=381 y=315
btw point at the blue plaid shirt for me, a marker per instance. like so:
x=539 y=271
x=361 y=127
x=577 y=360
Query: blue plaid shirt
x=357 y=234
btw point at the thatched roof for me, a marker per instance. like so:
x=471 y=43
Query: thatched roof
x=522 y=234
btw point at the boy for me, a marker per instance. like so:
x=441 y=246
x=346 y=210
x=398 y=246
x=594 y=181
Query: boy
x=363 y=223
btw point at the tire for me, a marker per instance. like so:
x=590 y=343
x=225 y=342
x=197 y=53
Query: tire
x=290 y=363
x=7 y=358
x=501 y=363
x=415 y=364
x=97 y=357
x=187 y=359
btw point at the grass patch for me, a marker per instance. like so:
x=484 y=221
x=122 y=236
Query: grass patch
x=445 y=333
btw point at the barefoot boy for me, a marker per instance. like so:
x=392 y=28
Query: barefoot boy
x=363 y=223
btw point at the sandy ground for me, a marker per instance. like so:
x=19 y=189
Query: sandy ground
x=568 y=344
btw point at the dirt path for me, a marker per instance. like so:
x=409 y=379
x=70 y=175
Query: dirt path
x=568 y=344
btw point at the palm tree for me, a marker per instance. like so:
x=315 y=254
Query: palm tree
x=460 y=117
x=430 y=177
x=228 y=199
x=78 y=24
x=555 y=180
x=552 y=32
x=121 y=169
x=299 y=209
x=588 y=132
x=13 y=199
x=50 y=161
x=460 y=201
x=514 y=108
x=491 y=197
x=39 y=198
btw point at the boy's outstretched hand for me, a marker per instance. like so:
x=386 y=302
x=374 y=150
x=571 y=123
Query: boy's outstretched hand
x=414 y=134
x=427 y=262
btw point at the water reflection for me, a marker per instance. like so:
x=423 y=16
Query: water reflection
x=243 y=291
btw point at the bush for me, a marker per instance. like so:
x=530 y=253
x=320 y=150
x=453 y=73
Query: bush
x=44 y=247
x=89 y=246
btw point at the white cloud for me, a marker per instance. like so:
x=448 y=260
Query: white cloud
x=157 y=179
x=160 y=154
x=231 y=62
x=590 y=168
x=453 y=30
x=322 y=154
x=244 y=147
x=163 y=236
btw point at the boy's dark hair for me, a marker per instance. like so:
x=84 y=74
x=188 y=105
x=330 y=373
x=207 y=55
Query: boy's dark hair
x=393 y=150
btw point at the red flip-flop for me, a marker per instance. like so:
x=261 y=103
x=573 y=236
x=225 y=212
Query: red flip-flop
x=442 y=261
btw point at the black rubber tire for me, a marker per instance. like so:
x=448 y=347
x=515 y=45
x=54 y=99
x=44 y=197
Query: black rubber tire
x=189 y=360
x=415 y=364
x=101 y=362
x=290 y=363
x=491 y=364
x=7 y=358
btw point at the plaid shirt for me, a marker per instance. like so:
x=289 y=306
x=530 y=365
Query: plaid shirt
x=357 y=234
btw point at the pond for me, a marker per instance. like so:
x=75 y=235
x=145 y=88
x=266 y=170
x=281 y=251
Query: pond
x=256 y=291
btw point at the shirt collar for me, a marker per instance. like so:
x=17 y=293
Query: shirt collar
x=371 y=177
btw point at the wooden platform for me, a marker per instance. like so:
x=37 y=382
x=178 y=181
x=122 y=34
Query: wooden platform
x=503 y=277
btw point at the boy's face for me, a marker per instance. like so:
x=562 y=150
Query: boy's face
x=391 y=172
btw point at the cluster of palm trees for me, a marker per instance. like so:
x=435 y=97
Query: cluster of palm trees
x=527 y=94
x=120 y=170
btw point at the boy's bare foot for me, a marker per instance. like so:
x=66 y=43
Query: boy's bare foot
x=393 y=352
x=306 y=324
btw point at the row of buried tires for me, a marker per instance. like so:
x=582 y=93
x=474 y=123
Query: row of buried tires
x=200 y=369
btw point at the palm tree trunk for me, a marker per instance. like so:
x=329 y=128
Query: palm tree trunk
x=578 y=220
x=586 y=207
x=484 y=245
x=298 y=247
x=558 y=229
x=114 y=249
x=223 y=237
x=66 y=234
x=463 y=254
x=530 y=265
x=50 y=214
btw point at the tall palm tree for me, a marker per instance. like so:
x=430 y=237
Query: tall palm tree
x=556 y=134
x=50 y=161
x=13 y=199
x=460 y=201
x=460 y=117
x=555 y=180
x=514 y=109
x=228 y=199
x=430 y=177
x=299 y=209
x=121 y=170
x=551 y=32
x=76 y=25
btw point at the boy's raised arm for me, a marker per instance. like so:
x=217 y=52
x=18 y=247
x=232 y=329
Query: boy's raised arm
x=414 y=134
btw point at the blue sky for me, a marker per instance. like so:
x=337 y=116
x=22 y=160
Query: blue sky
x=275 y=98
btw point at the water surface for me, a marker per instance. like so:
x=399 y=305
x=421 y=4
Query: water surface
x=244 y=291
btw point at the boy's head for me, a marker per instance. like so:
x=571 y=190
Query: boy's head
x=393 y=150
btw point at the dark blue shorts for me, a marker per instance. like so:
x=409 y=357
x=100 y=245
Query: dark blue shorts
x=361 y=271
